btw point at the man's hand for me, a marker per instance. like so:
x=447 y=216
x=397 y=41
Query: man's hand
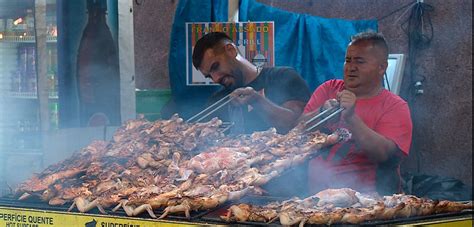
x=347 y=99
x=330 y=103
x=244 y=96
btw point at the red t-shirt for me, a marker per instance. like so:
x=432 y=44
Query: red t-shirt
x=344 y=164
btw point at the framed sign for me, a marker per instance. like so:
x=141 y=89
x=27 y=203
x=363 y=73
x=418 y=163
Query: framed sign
x=394 y=72
x=255 y=41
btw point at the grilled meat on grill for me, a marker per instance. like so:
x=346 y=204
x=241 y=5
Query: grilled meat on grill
x=344 y=206
x=173 y=165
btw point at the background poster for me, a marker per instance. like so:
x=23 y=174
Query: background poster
x=255 y=41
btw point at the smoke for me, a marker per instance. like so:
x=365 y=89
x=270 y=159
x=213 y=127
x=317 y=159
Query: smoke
x=19 y=137
x=303 y=181
x=2 y=131
x=292 y=182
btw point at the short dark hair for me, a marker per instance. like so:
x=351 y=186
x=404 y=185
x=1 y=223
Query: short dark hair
x=377 y=39
x=210 y=40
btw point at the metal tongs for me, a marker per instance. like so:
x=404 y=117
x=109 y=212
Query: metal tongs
x=333 y=112
x=210 y=109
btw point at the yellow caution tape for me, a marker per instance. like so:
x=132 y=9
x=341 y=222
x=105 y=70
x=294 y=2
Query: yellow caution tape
x=23 y=217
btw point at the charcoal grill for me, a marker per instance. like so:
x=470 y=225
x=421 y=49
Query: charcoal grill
x=212 y=217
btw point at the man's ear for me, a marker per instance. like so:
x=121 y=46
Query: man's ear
x=230 y=49
x=383 y=66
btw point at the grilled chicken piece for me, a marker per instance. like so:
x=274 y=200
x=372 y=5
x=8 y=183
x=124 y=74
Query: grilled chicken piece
x=445 y=206
x=263 y=215
x=239 y=212
x=36 y=184
x=326 y=217
x=200 y=190
x=289 y=218
x=343 y=197
x=223 y=158
x=366 y=200
x=245 y=212
x=183 y=207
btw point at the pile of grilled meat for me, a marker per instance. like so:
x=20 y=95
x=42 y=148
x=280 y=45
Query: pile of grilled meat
x=342 y=206
x=171 y=166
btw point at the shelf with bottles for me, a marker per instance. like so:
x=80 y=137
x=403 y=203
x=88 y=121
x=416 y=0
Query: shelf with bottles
x=30 y=95
x=23 y=81
x=24 y=39
x=21 y=29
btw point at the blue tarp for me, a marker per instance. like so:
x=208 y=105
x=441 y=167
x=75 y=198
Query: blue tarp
x=314 y=46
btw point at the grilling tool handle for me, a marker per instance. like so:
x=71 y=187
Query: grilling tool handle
x=319 y=115
x=212 y=108
x=331 y=116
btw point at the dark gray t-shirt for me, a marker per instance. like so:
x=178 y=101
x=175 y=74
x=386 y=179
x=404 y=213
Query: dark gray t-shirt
x=278 y=84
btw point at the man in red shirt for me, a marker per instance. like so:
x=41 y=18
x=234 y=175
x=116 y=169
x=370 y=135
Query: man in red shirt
x=378 y=120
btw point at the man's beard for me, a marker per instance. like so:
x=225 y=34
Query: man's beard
x=238 y=77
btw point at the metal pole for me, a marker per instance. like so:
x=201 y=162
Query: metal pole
x=233 y=11
x=127 y=60
x=41 y=64
x=41 y=70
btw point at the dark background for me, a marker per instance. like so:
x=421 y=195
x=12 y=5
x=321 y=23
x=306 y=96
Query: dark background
x=442 y=115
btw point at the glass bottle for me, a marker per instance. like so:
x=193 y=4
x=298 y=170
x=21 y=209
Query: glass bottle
x=30 y=23
x=30 y=76
x=2 y=28
x=53 y=115
x=51 y=73
x=9 y=27
x=98 y=75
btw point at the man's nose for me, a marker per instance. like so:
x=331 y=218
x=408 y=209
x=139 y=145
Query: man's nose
x=351 y=67
x=215 y=76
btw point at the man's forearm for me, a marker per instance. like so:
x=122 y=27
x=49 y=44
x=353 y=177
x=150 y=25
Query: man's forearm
x=281 y=117
x=376 y=146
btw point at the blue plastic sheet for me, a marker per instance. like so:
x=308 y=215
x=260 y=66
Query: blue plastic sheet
x=314 y=46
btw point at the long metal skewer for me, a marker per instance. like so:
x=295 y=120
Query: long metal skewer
x=319 y=115
x=213 y=108
x=325 y=119
x=228 y=127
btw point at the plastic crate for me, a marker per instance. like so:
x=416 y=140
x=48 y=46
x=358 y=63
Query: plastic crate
x=150 y=102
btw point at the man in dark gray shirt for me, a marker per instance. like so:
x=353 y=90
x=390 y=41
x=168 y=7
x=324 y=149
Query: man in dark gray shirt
x=267 y=97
